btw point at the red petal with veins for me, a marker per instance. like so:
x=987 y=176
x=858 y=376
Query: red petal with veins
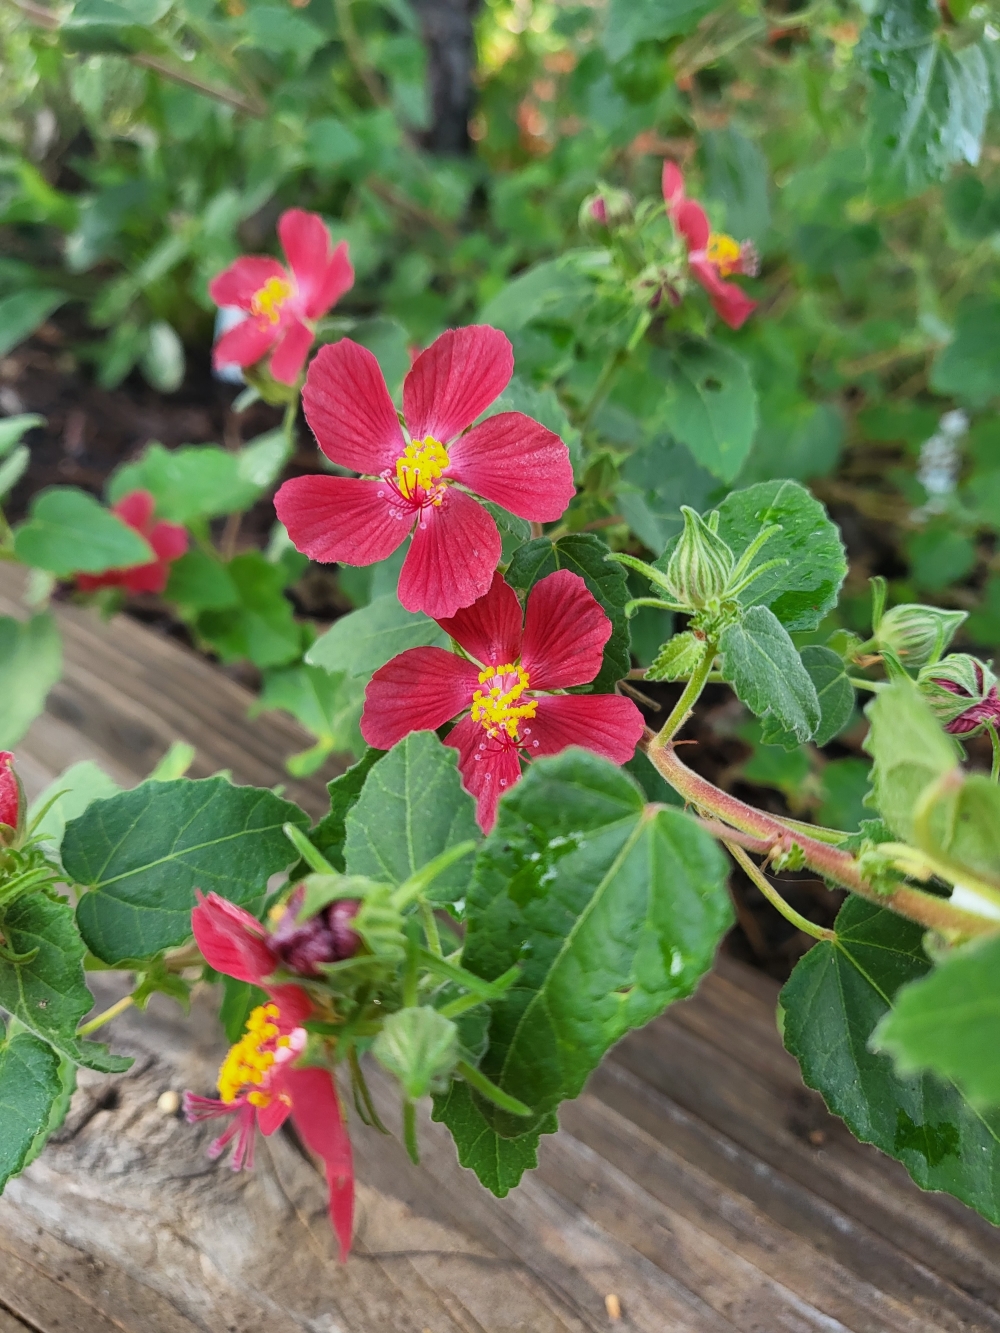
x=673 y=184
x=455 y=549
x=292 y=352
x=565 y=630
x=245 y=344
x=419 y=690
x=338 y=279
x=239 y=283
x=349 y=409
x=306 y=243
x=232 y=941
x=458 y=376
x=488 y=776
x=729 y=301
x=692 y=223
x=490 y=629
x=605 y=723
x=515 y=462
x=319 y=1118
x=10 y=792
x=340 y=519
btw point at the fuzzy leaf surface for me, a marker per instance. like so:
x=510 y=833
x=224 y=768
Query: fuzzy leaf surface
x=834 y=692
x=709 y=403
x=364 y=640
x=910 y=752
x=29 y=1088
x=142 y=854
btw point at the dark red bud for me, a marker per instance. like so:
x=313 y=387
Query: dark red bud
x=324 y=938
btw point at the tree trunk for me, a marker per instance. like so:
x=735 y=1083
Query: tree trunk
x=451 y=62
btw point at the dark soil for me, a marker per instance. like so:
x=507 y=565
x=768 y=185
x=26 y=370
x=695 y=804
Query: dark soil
x=89 y=431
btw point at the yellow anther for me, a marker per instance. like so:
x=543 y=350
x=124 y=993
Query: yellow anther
x=498 y=709
x=724 y=253
x=419 y=468
x=249 y=1061
x=270 y=298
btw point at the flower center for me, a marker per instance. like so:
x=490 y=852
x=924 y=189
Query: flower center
x=418 y=470
x=249 y=1062
x=725 y=253
x=267 y=302
x=497 y=709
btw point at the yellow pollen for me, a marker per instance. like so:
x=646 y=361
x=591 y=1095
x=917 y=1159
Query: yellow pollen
x=724 y=253
x=498 y=709
x=249 y=1061
x=419 y=468
x=270 y=298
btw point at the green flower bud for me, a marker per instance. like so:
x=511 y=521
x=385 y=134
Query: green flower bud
x=420 y=1046
x=701 y=564
x=962 y=693
x=677 y=659
x=917 y=634
x=606 y=210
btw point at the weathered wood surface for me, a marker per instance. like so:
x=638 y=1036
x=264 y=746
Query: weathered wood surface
x=696 y=1179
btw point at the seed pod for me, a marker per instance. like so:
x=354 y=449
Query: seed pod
x=701 y=564
x=962 y=692
x=917 y=634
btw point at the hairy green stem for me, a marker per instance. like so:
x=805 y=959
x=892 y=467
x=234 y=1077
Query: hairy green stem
x=117 y=1008
x=689 y=697
x=772 y=895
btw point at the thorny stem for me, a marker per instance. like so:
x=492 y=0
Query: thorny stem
x=925 y=908
x=119 y=1007
x=689 y=697
x=773 y=896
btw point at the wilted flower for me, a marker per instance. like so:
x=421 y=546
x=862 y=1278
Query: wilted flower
x=168 y=540
x=962 y=692
x=327 y=937
x=712 y=256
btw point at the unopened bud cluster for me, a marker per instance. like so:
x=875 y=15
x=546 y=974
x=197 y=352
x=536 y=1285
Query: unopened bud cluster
x=962 y=693
x=607 y=209
x=12 y=803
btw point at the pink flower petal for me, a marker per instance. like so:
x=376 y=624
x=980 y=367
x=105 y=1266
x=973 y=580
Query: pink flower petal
x=292 y=352
x=338 y=279
x=136 y=509
x=673 y=184
x=144 y=578
x=232 y=941
x=306 y=243
x=515 y=462
x=339 y=519
x=565 y=630
x=168 y=540
x=238 y=284
x=490 y=629
x=245 y=344
x=692 y=223
x=10 y=791
x=488 y=768
x=419 y=690
x=271 y=1117
x=729 y=301
x=349 y=409
x=319 y=1118
x=459 y=375
x=455 y=549
x=605 y=723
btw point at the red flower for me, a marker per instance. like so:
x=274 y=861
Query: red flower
x=282 y=304
x=168 y=540
x=712 y=256
x=11 y=797
x=259 y=1084
x=506 y=687
x=509 y=459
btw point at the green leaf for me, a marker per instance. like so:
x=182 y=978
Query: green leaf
x=585 y=554
x=263 y=626
x=30 y=664
x=834 y=692
x=613 y=909
x=362 y=641
x=238 y=999
x=499 y=1163
x=764 y=668
x=74 y=790
x=834 y=1001
x=412 y=807
x=22 y=313
x=142 y=854
x=928 y=102
x=709 y=404
x=329 y=834
x=737 y=174
x=555 y=289
x=801 y=591
x=947 y=1024
x=655 y=481
x=969 y=367
x=69 y=532
x=201 y=582
x=47 y=992
x=910 y=752
x=13 y=429
x=962 y=826
x=29 y=1088
x=632 y=21
x=199 y=481
x=327 y=705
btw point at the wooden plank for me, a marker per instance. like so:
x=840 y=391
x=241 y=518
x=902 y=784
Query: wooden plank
x=696 y=1178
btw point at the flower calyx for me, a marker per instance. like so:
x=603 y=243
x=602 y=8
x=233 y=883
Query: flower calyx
x=962 y=693
x=916 y=634
x=700 y=567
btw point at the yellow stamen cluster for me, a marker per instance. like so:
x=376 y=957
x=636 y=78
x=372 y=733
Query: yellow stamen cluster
x=724 y=253
x=250 y=1060
x=420 y=467
x=498 y=709
x=270 y=298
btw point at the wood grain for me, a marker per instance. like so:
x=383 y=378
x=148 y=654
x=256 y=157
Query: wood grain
x=696 y=1179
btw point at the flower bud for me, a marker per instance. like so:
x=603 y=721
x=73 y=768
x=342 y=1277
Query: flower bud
x=606 y=209
x=12 y=803
x=962 y=692
x=917 y=634
x=700 y=565
x=327 y=937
